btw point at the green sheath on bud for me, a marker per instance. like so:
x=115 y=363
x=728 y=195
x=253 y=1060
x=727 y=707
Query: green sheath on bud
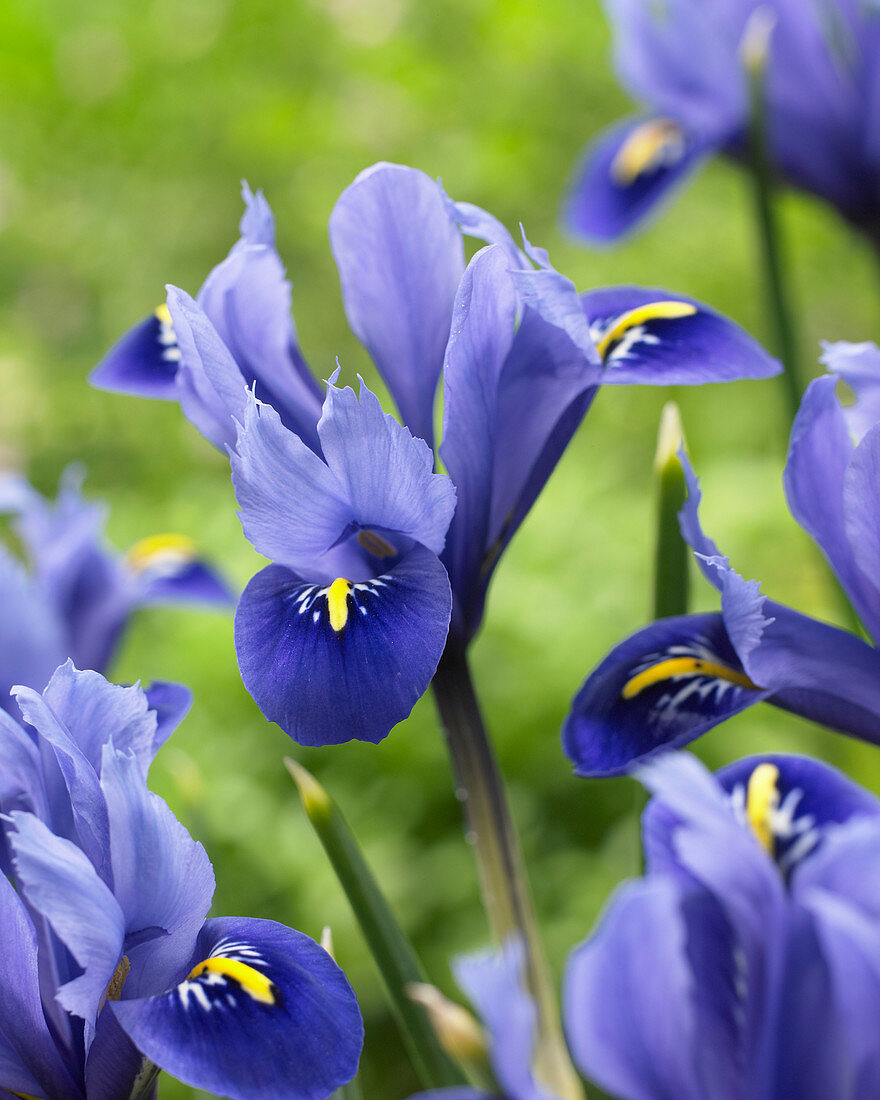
x=672 y=554
x=391 y=950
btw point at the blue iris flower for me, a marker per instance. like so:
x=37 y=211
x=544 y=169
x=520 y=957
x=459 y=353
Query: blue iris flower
x=108 y=956
x=678 y=677
x=341 y=635
x=683 y=59
x=746 y=962
x=78 y=594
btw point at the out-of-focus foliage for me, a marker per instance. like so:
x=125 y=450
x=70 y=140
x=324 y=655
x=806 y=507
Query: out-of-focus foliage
x=124 y=133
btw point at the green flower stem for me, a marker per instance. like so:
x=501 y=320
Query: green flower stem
x=756 y=48
x=671 y=553
x=391 y=950
x=490 y=830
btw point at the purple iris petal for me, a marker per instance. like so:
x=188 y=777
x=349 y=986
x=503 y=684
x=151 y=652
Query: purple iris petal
x=661 y=348
x=658 y=689
x=32 y=642
x=604 y=202
x=325 y=681
x=859 y=366
x=162 y=879
x=143 y=362
x=280 y=1023
x=400 y=257
x=171 y=703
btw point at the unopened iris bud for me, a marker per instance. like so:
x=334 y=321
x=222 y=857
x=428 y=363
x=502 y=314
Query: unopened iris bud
x=460 y=1035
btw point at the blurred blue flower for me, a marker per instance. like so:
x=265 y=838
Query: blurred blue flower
x=678 y=677
x=683 y=59
x=746 y=963
x=108 y=956
x=79 y=594
x=521 y=356
x=495 y=983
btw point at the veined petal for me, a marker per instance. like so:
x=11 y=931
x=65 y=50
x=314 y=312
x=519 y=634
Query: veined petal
x=210 y=387
x=861 y=502
x=400 y=257
x=815 y=476
x=162 y=879
x=387 y=473
x=265 y=1014
x=59 y=881
x=629 y=999
x=144 y=361
x=495 y=984
x=657 y=690
x=625 y=173
x=248 y=300
x=650 y=336
x=292 y=506
x=29 y=1060
x=333 y=663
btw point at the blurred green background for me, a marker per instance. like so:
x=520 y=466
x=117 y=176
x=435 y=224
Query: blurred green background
x=124 y=133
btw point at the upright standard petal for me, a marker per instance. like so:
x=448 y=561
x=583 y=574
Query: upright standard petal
x=264 y=1014
x=659 y=689
x=400 y=257
x=626 y=172
x=653 y=337
x=333 y=663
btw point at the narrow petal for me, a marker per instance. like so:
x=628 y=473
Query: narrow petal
x=859 y=366
x=29 y=1060
x=58 y=880
x=400 y=257
x=653 y=337
x=659 y=689
x=629 y=999
x=861 y=504
x=162 y=879
x=625 y=173
x=292 y=506
x=265 y=1014
x=334 y=663
x=144 y=361
x=171 y=703
x=815 y=475
x=388 y=474
x=495 y=985
x=210 y=386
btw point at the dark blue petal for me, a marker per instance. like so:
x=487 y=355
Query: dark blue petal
x=144 y=362
x=265 y=1015
x=29 y=1060
x=653 y=337
x=815 y=475
x=625 y=173
x=400 y=257
x=659 y=689
x=188 y=582
x=325 y=684
x=59 y=881
x=496 y=986
x=629 y=1000
x=162 y=879
x=171 y=703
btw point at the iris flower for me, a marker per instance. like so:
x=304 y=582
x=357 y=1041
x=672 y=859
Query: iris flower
x=683 y=60
x=108 y=957
x=343 y=633
x=78 y=594
x=678 y=677
x=746 y=962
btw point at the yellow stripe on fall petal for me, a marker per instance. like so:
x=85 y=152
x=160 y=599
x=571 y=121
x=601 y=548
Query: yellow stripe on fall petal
x=651 y=311
x=156 y=547
x=337 y=602
x=164 y=314
x=656 y=142
x=762 y=799
x=683 y=666
x=254 y=983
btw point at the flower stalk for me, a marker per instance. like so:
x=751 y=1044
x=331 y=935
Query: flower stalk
x=503 y=881
x=756 y=46
x=671 y=554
